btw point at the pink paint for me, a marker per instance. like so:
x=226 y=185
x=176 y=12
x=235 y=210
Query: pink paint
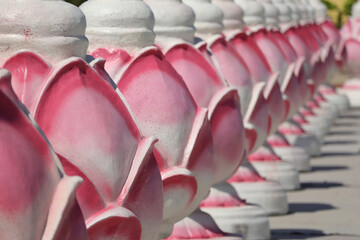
x=278 y=142
x=245 y=175
x=196 y=72
x=82 y=115
x=164 y=107
x=28 y=74
x=271 y=50
x=306 y=112
x=351 y=87
x=39 y=201
x=263 y=157
x=254 y=58
x=331 y=31
x=300 y=119
x=232 y=65
x=222 y=200
x=223 y=103
x=256 y=120
x=312 y=104
x=193 y=228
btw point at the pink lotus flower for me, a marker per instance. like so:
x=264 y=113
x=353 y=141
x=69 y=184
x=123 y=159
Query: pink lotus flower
x=94 y=134
x=226 y=59
x=38 y=199
x=223 y=102
x=332 y=33
x=349 y=46
x=163 y=107
x=256 y=62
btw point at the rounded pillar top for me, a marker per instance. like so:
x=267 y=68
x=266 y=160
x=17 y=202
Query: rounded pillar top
x=355 y=11
x=173 y=19
x=233 y=15
x=53 y=29
x=303 y=12
x=125 y=24
x=254 y=13
x=295 y=11
x=310 y=11
x=284 y=12
x=320 y=10
x=209 y=18
x=271 y=14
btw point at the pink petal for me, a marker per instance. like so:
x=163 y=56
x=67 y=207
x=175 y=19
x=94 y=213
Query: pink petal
x=88 y=124
x=114 y=223
x=196 y=72
x=199 y=156
x=162 y=105
x=27 y=160
x=29 y=72
x=274 y=102
x=254 y=58
x=228 y=132
x=142 y=193
x=116 y=59
x=65 y=221
x=256 y=118
x=87 y=195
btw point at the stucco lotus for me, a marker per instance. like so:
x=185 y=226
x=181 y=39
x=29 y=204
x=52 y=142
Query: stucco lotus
x=38 y=199
x=164 y=107
x=95 y=136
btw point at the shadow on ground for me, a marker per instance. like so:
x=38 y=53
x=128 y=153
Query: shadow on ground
x=339 y=154
x=338 y=142
x=318 y=185
x=282 y=234
x=342 y=133
x=350 y=116
x=328 y=168
x=309 y=207
x=344 y=124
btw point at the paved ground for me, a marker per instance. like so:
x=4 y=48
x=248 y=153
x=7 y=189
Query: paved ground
x=328 y=205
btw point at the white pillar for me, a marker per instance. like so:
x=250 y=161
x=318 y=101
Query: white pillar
x=53 y=29
x=119 y=24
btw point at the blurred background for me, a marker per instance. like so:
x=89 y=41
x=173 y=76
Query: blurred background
x=338 y=10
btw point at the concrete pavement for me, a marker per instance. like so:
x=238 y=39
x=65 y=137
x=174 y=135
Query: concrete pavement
x=328 y=205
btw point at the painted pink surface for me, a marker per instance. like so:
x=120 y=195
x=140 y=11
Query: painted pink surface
x=292 y=129
x=300 y=119
x=327 y=89
x=255 y=60
x=312 y=66
x=272 y=52
x=301 y=49
x=39 y=202
x=244 y=174
x=220 y=198
x=312 y=104
x=261 y=72
x=350 y=46
x=263 y=157
x=275 y=104
x=231 y=63
x=285 y=47
x=257 y=119
x=278 y=141
x=199 y=225
x=223 y=102
x=164 y=107
x=95 y=136
x=196 y=72
x=232 y=67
